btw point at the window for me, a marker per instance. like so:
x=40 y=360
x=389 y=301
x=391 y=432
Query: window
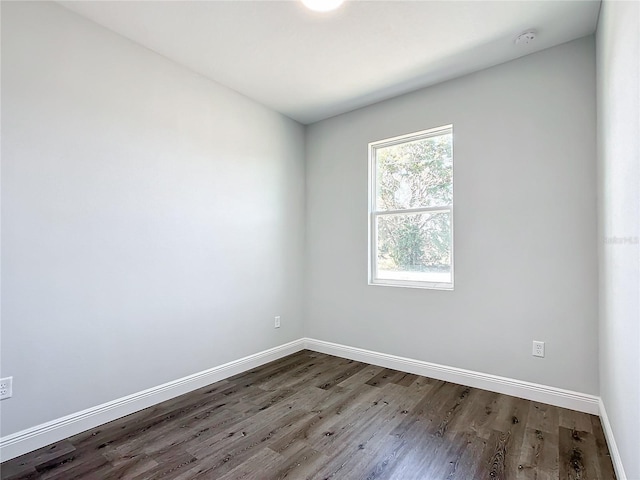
x=411 y=210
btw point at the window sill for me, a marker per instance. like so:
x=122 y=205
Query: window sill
x=410 y=284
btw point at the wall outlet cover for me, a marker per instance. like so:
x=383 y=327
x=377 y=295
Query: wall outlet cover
x=6 y=387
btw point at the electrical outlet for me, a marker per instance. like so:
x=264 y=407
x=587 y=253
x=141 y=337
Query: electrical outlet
x=538 y=349
x=6 y=387
x=277 y=322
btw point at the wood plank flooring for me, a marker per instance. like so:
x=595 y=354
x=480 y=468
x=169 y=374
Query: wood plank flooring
x=315 y=416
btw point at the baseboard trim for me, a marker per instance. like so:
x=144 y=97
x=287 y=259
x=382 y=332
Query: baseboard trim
x=25 y=441
x=611 y=443
x=581 y=402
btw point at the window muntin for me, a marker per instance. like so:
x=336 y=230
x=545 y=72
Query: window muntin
x=411 y=217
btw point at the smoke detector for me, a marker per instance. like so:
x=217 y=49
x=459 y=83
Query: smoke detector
x=525 y=38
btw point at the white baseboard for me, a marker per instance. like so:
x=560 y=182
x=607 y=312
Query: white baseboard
x=39 y=436
x=581 y=402
x=611 y=443
x=25 y=441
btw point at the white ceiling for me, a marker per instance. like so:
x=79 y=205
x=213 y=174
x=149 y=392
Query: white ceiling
x=311 y=66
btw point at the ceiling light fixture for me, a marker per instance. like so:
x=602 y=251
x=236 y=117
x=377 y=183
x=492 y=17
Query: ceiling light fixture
x=322 y=5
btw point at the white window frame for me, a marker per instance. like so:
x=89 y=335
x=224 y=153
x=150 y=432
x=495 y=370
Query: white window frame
x=374 y=214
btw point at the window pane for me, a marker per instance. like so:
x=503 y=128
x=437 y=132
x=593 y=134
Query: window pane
x=415 y=174
x=414 y=247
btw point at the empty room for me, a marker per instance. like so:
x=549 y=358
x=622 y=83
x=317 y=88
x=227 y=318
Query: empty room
x=320 y=239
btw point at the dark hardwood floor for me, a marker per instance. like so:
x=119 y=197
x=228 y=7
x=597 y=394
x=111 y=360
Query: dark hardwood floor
x=315 y=416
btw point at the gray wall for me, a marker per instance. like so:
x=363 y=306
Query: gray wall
x=525 y=224
x=618 y=67
x=152 y=220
